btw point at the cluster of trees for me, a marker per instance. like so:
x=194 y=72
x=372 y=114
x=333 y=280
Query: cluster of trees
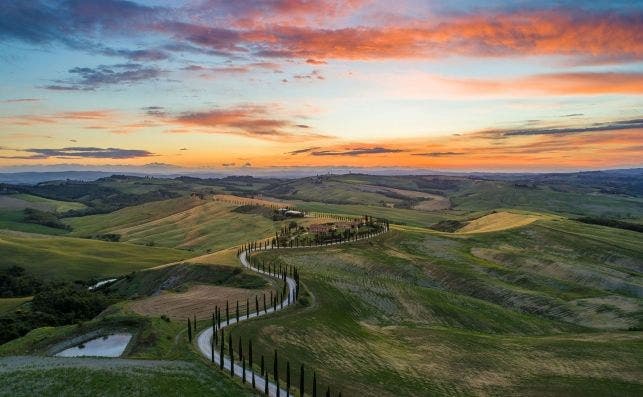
x=53 y=304
x=16 y=282
x=448 y=226
x=612 y=223
x=111 y=237
x=97 y=195
x=45 y=218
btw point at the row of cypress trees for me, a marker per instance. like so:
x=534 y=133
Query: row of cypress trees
x=218 y=338
x=264 y=372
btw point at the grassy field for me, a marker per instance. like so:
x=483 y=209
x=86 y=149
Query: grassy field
x=418 y=313
x=112 y=377
x=395 y=215
x=185 y=223
x=490 y=195
x=10 y=304
x=181 y=372
x=499 y=221
x=14 y=220
x=52 y=205
x=67 y=258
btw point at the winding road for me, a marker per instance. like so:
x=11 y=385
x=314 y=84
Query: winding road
x=204 y=339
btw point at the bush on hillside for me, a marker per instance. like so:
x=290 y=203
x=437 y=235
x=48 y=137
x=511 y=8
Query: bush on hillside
x=32 y=215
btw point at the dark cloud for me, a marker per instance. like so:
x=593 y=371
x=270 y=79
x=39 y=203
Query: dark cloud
x=137 y=55
x=300 y=151
x=439 y=154
x=228 y=164
x=315 y=74
x=315 y=62
x=158 y=111
x=86 y=78
x=356 y=151
x=80 y=152
x=183 y=148
x=20 y=100
x=595 y=127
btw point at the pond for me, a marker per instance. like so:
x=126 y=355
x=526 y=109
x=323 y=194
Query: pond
x=105 y=346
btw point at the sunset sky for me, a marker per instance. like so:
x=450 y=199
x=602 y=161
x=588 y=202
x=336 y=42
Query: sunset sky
x=457 y=85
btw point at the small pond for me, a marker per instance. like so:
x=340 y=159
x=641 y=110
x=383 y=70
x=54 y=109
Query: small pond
x=105 y=346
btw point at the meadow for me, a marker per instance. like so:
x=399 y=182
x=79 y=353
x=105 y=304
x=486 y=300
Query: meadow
x=418 y=312
x=68 y=258
x=514 y=297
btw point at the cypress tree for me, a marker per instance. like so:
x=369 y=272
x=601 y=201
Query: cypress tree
x=189 y=331
x=263 y=367
x=237 y=310
x=314 y=384
x=243 y=368
x=231 y=352
x=265 y=310
x=287 y=378
x=214 y=328
x=257 y=304
x=301 y=381
x=328 y=392
x=266 y=382
x=227 y=313
x=212 y=347
x=250 y=361
x=194 y=323
x=247 y=308
x=276 y=372
x=221 y=349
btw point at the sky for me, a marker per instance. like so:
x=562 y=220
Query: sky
x=460 y=85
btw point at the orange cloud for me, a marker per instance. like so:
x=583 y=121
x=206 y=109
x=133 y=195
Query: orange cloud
x=604 y=148
x=557 y=84
x=254 y=121
x=505 y=34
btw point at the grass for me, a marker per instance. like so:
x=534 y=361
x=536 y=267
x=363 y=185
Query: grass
x=67 y=258
x=14 y=220
x=498 y=221
x=417 y=313
x=395 y=215
x=182 y=372
x=166 y=379
x=186 y=223
x=11 y=304
x=54 y=205
x=178 y=277
x=490 y=195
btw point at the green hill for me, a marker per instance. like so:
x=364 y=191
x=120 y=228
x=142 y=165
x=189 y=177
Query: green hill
x=185 y=223
x=67 y=258
x=553 y=308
